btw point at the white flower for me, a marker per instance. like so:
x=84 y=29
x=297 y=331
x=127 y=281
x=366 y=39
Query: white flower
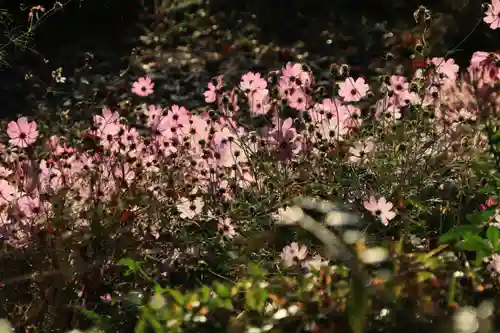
x=293 y=253
x=280 y=314
x=315 y=263
x=189 y=209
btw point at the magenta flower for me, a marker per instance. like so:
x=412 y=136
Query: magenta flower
x=22 y=133
x=143 y=86
x=492 y=16
x=380 y=208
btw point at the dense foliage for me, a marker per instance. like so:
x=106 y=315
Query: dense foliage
x=284 y=191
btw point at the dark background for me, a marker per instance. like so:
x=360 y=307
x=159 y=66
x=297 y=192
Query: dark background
x=109 y=29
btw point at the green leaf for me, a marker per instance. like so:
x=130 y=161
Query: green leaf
x=204 y=293
x=177 y=296
x=480 y=217
x=474 y=243
x=256 y=298
x=132 y=265
x=255 y=270
x=222 y=290
x=458 y=232
x=141 y=325
x=493 y=235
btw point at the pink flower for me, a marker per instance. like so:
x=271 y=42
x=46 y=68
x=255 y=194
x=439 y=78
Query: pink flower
x=446 y=70
x=107 y=123
x=292 y=254
x=8 y=193
x=294 y=74
x=380 y=208
x=22 y=133
x=399 y=84
x=226 y=228
x=259 y=101
x=483 y=68
x=491 y=201
x=251 y=82
x=106 y=298
x=494 y=265
x=285 y=138
x=492 y=16
x=353 y=91
x=358 y=153
x=189 y=209
x=211 y=93
x=143 y=86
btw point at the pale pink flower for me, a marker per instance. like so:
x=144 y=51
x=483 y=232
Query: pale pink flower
x=189 y=209
x=30 y=207
x=353 y=91
x=251 y=82
x=298 y=99
x=360 y=150
x=492 y=15
x=285 y=137
x=496 y=217
x=106 y=298
x=259 y=101
x=446 y=70
x=390 y=113
x=213 y=90
x=315 y=263
x=483 y=68
x=8 y=192
x=225 y=227
x=152 y=112
x=107 y=123
x=22 y=133
x=143 y=86
x=380 y=208
x=4 y=172
x=292 y=254
x=295 y=75
x=399 y=84
x=494 y=265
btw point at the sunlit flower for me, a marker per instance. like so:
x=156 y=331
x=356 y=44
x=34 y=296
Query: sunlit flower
x=22 y=133
x=353 y=90
x=492 y=15
x=380 y=208
x=189 y=209
x=143 y=86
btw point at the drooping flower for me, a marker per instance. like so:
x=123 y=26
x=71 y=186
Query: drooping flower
x=211 y=93
x=492 y=15
x=22 y=133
